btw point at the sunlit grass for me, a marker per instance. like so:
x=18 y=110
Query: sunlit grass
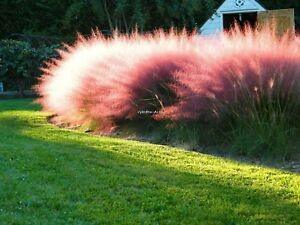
x=56 y=176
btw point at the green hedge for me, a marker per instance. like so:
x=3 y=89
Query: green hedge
x=20 y=63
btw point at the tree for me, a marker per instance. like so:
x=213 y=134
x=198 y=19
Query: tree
x=20 y=62
x=65 y=18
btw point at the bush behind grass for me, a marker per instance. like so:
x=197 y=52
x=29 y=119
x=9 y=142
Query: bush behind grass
x=20 y=63
x=246 y=94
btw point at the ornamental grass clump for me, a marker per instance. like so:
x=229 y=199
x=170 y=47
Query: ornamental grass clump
x=244 y=82
x=105 y=81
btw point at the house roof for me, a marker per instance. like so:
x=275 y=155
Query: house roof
x=239 y=6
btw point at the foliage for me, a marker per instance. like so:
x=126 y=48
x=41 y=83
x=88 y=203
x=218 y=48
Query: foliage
x=70 y=16
x=17 y=62
x=54 y=176
x=251 y=84
x=79 y=17
x=20 y=63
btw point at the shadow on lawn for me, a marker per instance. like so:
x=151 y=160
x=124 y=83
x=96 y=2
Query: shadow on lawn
x=102 y=181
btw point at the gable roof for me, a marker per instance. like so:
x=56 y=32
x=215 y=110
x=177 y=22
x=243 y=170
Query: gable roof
x=239 y=6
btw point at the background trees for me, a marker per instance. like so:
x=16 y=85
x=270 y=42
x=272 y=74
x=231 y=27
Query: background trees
x=65 y=18
x=20 y=63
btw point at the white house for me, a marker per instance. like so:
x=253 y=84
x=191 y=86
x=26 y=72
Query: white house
x=231 y=11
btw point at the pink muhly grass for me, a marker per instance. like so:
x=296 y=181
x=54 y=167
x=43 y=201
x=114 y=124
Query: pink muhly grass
x=245 y=67
x=107 y=80
x=180 y=76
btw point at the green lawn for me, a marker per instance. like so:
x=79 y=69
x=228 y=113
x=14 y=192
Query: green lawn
x=56 y=176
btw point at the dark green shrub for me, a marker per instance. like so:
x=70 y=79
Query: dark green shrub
x=20 y=63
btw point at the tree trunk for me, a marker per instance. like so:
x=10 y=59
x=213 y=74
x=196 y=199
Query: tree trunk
x=21 y=87
x=111 y=27
x=125 y=22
